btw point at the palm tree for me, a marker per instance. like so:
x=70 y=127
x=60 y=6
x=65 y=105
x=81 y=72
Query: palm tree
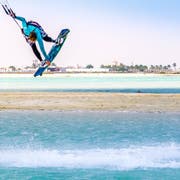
x=174 y=65
x=169 y=66
x=53 y=64
x=89 y=66
x=13 y=68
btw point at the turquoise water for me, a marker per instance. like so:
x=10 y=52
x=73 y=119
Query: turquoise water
x=89 y=145
x=92 y=83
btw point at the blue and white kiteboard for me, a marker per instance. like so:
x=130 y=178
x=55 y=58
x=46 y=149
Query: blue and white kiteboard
x=53 y=53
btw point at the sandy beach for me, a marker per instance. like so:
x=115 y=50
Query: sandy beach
x=89 y=101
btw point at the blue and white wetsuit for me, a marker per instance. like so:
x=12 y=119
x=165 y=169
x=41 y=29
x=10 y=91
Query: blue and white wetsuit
x=32 y=26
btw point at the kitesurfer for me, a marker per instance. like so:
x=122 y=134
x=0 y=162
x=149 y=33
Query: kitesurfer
x=34 y=32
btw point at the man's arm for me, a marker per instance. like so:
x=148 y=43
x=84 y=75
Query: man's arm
x=23 y=20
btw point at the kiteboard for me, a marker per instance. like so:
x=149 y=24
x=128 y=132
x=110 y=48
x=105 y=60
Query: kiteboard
x=53 y=52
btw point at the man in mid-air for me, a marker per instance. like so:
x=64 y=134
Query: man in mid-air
x=33 y=32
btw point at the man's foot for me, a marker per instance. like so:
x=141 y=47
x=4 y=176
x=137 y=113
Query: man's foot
x=45 y=62
x=58 y=41
x=48 y=63
x=62 y=35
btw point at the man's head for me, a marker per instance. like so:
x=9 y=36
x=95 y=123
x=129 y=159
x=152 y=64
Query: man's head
x=32 y=36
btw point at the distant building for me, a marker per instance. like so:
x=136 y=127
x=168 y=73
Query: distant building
x=85 y=70
x=2 y=69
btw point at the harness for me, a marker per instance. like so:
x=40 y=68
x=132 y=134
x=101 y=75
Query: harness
x=37 y=25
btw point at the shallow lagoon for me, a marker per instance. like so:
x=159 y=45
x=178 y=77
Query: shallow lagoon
x=145 y=83
x=85 y=144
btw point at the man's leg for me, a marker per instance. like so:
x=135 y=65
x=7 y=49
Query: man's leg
x=48 y=39
x=36 y=52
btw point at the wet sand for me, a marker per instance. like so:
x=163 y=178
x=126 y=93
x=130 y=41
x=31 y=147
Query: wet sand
x=89 y=101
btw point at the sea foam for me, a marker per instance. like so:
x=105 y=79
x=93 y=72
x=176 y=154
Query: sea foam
x=142 y=157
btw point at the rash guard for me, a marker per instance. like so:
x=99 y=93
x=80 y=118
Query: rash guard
x=30 y=26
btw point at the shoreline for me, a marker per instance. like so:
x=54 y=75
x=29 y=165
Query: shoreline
x=92 y=101
x=82 y=74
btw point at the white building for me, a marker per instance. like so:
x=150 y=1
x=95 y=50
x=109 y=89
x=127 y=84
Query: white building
x=85 y=70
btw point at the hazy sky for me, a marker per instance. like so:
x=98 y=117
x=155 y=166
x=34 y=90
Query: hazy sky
x=127 y=31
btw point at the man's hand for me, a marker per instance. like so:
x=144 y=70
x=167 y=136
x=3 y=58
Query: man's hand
x=12 y=14
x=8 y=10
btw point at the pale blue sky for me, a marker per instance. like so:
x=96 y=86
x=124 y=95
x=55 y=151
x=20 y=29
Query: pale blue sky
x=127 y=31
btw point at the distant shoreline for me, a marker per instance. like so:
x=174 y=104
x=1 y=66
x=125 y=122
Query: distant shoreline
x=90 y=101
x=30 y=74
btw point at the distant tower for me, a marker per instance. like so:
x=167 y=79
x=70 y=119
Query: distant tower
x=78 y=66
x=115 y=62
x=35 y=63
